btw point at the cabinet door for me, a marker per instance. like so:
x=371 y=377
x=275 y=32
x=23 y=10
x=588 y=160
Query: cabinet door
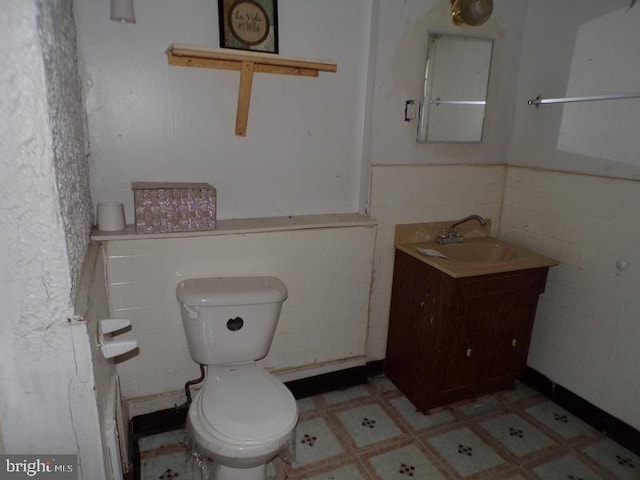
x=453 y=339
x=510 y=345
x=490 y=342
x=470 y=348
x=413 y=359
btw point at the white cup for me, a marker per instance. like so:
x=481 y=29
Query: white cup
x=110 y=216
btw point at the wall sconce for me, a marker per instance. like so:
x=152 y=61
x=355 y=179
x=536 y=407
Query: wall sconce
x=122 y=11
x=471 y=12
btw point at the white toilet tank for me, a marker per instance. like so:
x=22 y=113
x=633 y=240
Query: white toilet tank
x=230 y=319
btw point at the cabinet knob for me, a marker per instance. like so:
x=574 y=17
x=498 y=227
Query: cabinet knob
x=468 y=353
x=514 y=342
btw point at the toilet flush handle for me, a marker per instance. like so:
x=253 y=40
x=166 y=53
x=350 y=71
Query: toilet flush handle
x=193 y=312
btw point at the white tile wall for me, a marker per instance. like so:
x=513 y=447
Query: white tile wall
x=587 y=331
x=327 y=272
x=421 y=193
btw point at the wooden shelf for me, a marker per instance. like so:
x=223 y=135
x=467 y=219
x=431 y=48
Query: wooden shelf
x=247 y=63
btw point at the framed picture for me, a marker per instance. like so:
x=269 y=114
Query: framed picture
x=249 y=25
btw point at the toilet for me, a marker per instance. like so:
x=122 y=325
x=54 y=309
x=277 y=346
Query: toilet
x=243 y=416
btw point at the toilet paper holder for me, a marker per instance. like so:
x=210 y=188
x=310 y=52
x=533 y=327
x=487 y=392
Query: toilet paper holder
x=107 y=329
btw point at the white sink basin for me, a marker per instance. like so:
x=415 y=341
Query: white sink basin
x=478 y=252
x=477 y=256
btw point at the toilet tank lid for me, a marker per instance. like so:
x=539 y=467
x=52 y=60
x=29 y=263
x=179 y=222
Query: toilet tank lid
x=222 y=291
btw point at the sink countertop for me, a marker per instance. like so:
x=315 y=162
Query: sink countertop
x=413 y=236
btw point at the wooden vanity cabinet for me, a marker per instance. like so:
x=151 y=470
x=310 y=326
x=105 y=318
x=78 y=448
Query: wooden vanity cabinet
x=452 y=339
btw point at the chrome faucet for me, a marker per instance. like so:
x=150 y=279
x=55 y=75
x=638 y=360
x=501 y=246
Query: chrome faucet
x=452 y=236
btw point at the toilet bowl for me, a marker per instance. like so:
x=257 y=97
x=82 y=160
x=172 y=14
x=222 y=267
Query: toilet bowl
x=243 y=416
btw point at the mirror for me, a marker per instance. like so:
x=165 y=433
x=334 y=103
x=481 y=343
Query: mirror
x=455 y=89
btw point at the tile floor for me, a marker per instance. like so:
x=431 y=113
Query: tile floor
x=373 y=432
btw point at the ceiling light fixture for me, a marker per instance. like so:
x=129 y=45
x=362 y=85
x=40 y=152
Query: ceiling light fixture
x=471 y=12
x=122 y=11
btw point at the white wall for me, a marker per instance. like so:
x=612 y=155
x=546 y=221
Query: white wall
x=92 y=304
x=400 y=63
x=34 y=271
x=304 y=149
x=66 y=116
x=47 y=401
x=151 y=121
x=327 y=272
x=37 y=357
x=593 y=50
x=587 y=333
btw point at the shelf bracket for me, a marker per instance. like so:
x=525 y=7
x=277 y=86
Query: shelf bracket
x=247 y=63
x=244 y=98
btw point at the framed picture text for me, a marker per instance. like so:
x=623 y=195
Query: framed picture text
x=249 y=25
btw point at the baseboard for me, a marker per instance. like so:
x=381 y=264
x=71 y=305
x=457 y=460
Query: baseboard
x=374 y=368
x=306 y=387
x=612 y=427
x=287 y=375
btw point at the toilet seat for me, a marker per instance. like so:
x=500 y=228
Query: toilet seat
x=244 y=403
x=243 y=412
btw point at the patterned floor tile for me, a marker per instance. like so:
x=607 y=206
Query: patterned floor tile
x=383 y=384
x=517 y=435
x=480 y=407
x=405 y=463
x=315 y=441
x=346 y=395
x=418 y=420
x=567 y=467
x=153 y=442
x=306 y=405
x=507 y=476
x=520 y=392
x=615 y=458
x=368 y=424
x=345 y=472
x=170 y=467
x=465 y=452
x=560 y=421
x=274 y=470
x=363 y=441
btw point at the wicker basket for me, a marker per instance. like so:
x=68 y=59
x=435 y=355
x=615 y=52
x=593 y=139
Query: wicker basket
x=174 y=207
